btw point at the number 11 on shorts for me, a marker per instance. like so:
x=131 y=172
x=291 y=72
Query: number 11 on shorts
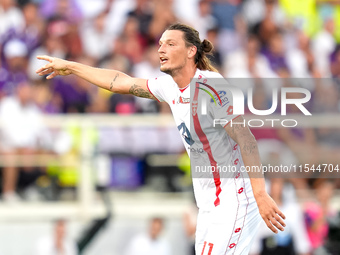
x=211 y=245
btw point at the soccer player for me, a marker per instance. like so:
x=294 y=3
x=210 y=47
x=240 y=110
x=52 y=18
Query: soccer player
x=230 y=209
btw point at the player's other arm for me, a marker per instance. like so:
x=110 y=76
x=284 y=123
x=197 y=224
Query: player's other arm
x=111 y=80
x=251 y=158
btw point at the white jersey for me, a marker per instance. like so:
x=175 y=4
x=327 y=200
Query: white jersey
x=228 y=214
x=206 y=144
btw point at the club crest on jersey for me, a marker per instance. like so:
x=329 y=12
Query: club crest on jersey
x=194 y=108
x=183 y=100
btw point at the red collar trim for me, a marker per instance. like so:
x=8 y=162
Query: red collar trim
x=182 y=90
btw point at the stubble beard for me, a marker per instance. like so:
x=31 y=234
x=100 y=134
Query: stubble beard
x=173 y=71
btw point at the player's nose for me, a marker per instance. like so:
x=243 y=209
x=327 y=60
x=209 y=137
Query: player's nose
x=161 y=49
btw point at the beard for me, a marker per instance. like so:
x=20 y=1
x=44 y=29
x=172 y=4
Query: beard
x=168 y=71
x=172 y=71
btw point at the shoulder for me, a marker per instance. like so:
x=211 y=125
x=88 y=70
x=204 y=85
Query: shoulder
x=164 y=79
x=210 y=78
x=209 y=74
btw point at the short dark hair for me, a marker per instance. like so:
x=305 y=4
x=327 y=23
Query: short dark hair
x=204 y=48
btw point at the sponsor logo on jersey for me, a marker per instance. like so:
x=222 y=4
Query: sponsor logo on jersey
x=223 y=98
x=183 y=100
x=198 y=150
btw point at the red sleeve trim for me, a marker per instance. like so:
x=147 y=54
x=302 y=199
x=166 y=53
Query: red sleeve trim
x=231 y=120
x=147 y=84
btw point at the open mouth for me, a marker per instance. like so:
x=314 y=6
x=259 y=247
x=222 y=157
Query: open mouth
x=163 y=60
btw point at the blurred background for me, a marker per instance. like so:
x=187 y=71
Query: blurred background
x=85 y=171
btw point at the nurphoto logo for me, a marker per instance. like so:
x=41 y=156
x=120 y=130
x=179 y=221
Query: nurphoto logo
x=223 y=93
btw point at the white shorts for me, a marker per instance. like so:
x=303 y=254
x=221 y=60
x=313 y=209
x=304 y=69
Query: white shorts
x=227 y=230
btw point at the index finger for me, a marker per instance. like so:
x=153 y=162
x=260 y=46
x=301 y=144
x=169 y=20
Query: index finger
x=45 y=57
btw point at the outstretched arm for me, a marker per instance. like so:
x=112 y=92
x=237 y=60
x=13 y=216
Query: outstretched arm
x=251 y=158
x=111 y=80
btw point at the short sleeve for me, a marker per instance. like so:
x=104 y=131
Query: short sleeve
x=222 y=106
x=157 y=87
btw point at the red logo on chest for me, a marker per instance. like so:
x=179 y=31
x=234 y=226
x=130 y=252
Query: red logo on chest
x=183 y=100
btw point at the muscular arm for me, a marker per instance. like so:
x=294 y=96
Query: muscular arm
x=251 y=158
x=111 y=80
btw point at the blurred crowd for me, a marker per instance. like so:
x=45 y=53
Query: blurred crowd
x=253 y=39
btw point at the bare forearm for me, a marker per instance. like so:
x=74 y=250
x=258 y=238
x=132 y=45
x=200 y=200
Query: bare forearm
x=251 y=159
x=268 y=209
x=112 y=80
x=250 y=154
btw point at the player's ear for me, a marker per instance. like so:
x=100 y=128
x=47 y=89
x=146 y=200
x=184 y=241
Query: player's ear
x=192 y=52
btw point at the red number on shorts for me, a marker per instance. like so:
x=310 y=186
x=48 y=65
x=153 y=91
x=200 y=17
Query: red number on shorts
x=205 y=243
x=211 y=245
x=230 y=110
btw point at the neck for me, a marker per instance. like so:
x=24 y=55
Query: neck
x=184 y=76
